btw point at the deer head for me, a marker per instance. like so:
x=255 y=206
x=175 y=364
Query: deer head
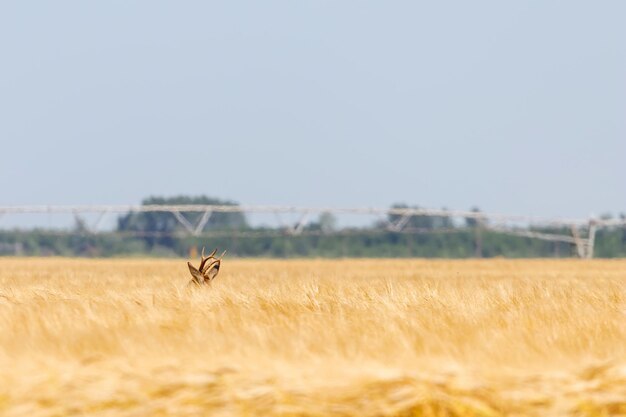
x=208 y=270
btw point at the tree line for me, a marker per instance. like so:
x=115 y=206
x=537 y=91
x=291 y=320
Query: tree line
x=161 y=234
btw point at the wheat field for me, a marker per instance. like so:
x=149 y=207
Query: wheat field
x=313 y=338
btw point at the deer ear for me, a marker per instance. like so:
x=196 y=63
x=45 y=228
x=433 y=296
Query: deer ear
x=197 y=276
x=212 y=271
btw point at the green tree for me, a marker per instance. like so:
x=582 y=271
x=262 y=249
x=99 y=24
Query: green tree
x=157 y=228
x=473 y=221
x=413 y=222
x=326 y=222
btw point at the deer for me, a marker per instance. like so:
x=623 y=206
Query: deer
x=208 y=270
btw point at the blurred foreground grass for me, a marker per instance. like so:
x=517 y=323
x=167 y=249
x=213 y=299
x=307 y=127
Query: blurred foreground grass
x=313 y=338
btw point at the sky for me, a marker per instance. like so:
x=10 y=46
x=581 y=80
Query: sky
x=514 y=107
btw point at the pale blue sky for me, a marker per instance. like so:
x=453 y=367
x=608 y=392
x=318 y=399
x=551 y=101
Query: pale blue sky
x=517 y=107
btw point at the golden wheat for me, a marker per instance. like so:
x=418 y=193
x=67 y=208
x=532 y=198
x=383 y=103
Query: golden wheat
x=313 y=338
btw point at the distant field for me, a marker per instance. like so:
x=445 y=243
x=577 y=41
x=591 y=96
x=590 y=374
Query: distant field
x=313 y=338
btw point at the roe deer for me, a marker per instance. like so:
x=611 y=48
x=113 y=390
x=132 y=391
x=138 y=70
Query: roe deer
x=208 y=270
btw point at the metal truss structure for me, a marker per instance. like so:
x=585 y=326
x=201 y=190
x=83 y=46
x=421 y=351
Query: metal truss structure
x=581 y=232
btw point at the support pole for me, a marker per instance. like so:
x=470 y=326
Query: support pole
x=193 y=230
x=183 y=220
x=202 y=222
x=591 y=240
x=99 y=221
x=297 y=229
x=580 y=243
x=399 y=225
x=81 y=223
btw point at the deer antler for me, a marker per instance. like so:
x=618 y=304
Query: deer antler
x=208 y=270
x=206 y=258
